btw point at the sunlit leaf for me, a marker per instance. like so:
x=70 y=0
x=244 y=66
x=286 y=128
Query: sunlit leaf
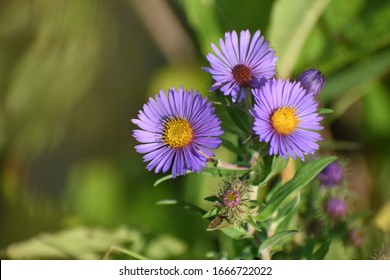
x=201 y=16
x=165 y=247
x=303 y=176
x=76 y=243
x=291 y=23
x=361 y=72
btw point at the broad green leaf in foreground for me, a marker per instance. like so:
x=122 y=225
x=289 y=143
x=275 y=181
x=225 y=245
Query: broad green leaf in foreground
x=303 y=176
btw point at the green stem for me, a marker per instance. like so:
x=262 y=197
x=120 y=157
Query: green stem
x=132 y=254
x=230 y=166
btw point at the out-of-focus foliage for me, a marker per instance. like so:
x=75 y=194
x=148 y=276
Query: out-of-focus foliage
x=73 y=73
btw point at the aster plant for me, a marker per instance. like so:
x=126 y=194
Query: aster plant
x=273 y=189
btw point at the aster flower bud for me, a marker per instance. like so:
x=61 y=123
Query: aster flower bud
x=232 y=203
x=331 y=175
x=336 y=208
x=312 y=80
x=356 y=237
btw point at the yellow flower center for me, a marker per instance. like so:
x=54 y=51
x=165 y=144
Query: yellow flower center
x=231 y=196
x=177 y=132
x=284 y=120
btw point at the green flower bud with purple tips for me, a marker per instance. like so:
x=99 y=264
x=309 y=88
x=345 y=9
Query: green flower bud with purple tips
x=233 y=201
x=312 y=80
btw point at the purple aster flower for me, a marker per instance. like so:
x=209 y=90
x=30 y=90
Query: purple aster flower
x=285 y=117
x=336 y=208
x=177 y=131
x=312 y=80
x=331 y=175
x=241 y=62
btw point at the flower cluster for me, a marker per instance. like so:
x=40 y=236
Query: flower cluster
x=277 y=119
x=177 y=132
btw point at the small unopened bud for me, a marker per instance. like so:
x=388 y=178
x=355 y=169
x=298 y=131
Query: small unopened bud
x=331 y=175
x=312 y=80
x=336 y=208
x=233 y=203
x=357 y=236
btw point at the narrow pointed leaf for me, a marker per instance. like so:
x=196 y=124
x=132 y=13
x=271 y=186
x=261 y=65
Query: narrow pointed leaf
x=277 y=241
x=303 y=176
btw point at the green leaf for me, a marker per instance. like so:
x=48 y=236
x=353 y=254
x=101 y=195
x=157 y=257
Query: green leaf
x=165 y=178
x=278 y=165
x=352 y=83
x=303 y=176
x=231 y=147
x=210 y=215
x=185 y=205
x=286 y=214
x=212 y=198
x=323 y=111
x=76 y=243
x=321 y=252
x=276 y=242
x=291 y=23
x=201 y=16
x=254 y=224
x=236 y=232
x=165 y=247
x=241 y=119
x=361 y=72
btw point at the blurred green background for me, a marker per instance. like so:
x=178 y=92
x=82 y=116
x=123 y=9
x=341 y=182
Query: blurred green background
x=74 y=72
